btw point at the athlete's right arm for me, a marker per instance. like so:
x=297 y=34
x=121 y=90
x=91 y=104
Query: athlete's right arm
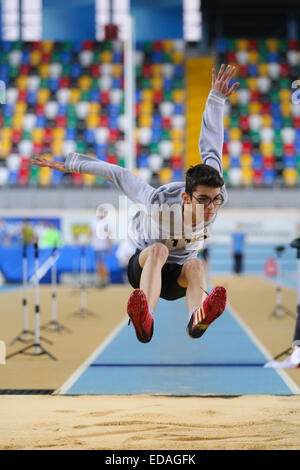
x=135 y=188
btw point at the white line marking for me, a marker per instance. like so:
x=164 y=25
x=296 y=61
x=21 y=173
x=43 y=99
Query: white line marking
x=284 y=376
x=82 y=368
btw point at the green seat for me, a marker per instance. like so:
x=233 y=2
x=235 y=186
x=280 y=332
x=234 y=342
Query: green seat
x=4 y=58
x=263 y=56
x=107 y=46
x=234 y=122
x=255 y=137
x=138 y=71
x=148 y=47
x=243 y=83
x=166 y=135
x=55 y=57
x=274 y=96
x=262 y=45
x=287 y=122
x=44 y=83
x=7 y=121
x=85 y=96
x=278 y=149
x=146 y=84
x=178 y=83
x=284 y=83
x=244 y=109
x=72 y=122
x=81 y=147
x=26 y=135
x=13 y=72
x=225 y=176
x=67 y=46
x=153 y=147
x=122 y=162
x=282 y=46
x=168 y=96
x=34 y=175
x=66 y=71
x=18 y=45
x=167 y=58
x=231 y=45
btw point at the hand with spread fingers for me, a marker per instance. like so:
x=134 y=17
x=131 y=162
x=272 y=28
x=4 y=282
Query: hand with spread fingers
x=43 y=162
x=221 y=81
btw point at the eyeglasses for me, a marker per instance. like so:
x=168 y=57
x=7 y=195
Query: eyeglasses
x=206 y=201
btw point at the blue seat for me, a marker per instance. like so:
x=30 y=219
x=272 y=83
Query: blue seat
x=178 y=71
x=71 y=134
x=257 y=162
x=32 y=97
x=89 y=135
x=253 y=70
x=40 y=121
x=178 y=175
x=157 y=57
x=53 y=84
x=113 y=122
x=289 y=162
x=168 y=84
x=269 y=177
x=235 y=162
x=179 y=108
x=8 y=109
x=65 y=57
x=117 y=58
x=75 y=70
x=117 y=83
x=13 y=178
x=25 y=58
x=273 y=57
x=94 y=95
x=142 y=161
x=221 y=45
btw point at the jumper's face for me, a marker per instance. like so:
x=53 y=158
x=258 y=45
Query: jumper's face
x=209 y=197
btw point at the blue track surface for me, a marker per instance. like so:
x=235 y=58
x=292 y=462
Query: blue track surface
x=225 y=361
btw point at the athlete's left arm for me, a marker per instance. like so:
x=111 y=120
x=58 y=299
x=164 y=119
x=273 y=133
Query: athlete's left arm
x=212 y=130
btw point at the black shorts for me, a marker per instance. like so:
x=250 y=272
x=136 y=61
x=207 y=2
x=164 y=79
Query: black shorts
x=170 y=289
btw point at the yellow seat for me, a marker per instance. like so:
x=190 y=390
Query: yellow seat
x=57 y=147
x=117 y=70
x=146 y=107
x=6 y=133
x=263 y=69
x=5 y=148
x=17 y=121
x=47 y=46
x=290 y=176
x=178 y=57
x=253 y=57
x=92 y=121
x=147 y=95
x=168 y=46
x=252 y=84
x=156 y=70
x=285 y=109
x=45 y=176
x=178 y=96
x=35 y=58
x=177 y=134
x=246 y=161
x=235 y=133
x=58 y=133
x=44 y=70
x=84 y=83
x=272 y=45
x=178 y=148
x=254 y=107
x=21 y=82
x=242 y=44
x=247 y=176
x=106 y=57
x=267 y=149
x=75 y=95
x=233 y=99
x=226 y=162
x=226 y=122
x=165 y=175
x=43 y=95
x=145 y=120
x=20 y=107
x=89 y=180
x=95 y=108
x=266 y=120
x=157 y=83
x=284 y=96
x=38 y=135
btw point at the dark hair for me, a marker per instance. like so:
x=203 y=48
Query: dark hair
x=204 y=175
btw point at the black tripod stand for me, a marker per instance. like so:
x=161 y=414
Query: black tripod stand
x=279 y=310
x=296 y=340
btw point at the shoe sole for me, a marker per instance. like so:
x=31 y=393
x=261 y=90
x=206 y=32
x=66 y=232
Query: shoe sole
x=216 y=308
x=136 y=307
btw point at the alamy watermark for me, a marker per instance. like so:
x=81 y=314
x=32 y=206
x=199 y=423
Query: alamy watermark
x=2 y=352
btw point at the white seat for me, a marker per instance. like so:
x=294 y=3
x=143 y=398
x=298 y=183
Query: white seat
x=29 y=121
x=33 y=82
x=101 y=135
x=267 y=134
x=264 y=84
x=273 y=69
x=13 y=161
x=122 y=122
x=178 y=121
x=55 y=70
x=243 y=96
x=165 y=148
x=288 y=135
x=121 y=148
x=106 y=69
x=234 y=148
x=295 y=108
x=144 y=135
x=82 y=109
x=51 y=109
x=255 y=121
x=105 y=83
x=25 y=148
x=145 y=174
x=3 y=176
x=179 y=45
x=85 y=58
x=117 y=46
x=155 y=162
x=242 y=57
x=14 y=58
x=12 y=95
x=227 y=108
x=69 y=146
x=235 y=176
x=63 y=95
x=293 y=57
x=116 y=96
x=139 y=58
x=166 y=109
x=168 y=70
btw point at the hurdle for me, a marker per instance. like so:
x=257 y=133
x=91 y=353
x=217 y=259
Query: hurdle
x=36 y=345
x=53 y=324
x=279 y=311
x=83 y=310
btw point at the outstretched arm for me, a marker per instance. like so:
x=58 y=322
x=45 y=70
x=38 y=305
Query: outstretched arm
x=212 y=132
x=136 y=189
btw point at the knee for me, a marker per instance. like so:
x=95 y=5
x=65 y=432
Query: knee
x=193 y=267
x=160 y=252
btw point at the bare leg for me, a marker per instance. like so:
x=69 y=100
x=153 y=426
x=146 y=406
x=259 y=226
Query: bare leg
x=152 y=259
x=193 y=278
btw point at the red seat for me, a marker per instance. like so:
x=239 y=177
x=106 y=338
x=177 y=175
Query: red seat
x=247 y=147
x=24 y=69
x=137 y=148
x=38 y=148
x=39 y=109
x=284 y=70
x=296 y=122
x=257 y=177
x=48 y=136
x=158 y=46
x=95 y=70
x=252 y=45
x=137 y=108
x=147 y=71
x=77 y=179
x=105 y=97
x=46 y=57
x=103 y=121
x=61 y=121
x=225 y=148
x=231 y=57
x=166 y=124
x=16 y=136
x=23 y=95
x=265 y=108
x=244 y=123
x=112 y=159
x=243 y=71
x=24 y=170
x=289 y=149
x=254 y=95
x=88 y=45
x=268 y=163
x=176 y=163
x=36 y=45
x=158 y=97
x=293 y=44
x=65 y=82
x=113 y=135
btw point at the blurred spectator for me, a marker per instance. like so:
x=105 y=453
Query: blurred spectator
x=40 y=229
x=124 y=252
x=51 y=237
x=238 y=247
x=102 y=243
x=28 y=235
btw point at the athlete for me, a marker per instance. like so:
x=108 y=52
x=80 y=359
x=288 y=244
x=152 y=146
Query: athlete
x=165 y=263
